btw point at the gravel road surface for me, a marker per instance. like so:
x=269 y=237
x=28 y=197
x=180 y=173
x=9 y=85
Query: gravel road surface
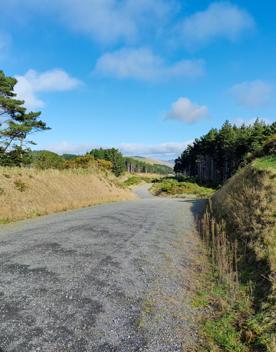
x=110 y=278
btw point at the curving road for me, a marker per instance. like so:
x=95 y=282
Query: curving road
x=114 y=278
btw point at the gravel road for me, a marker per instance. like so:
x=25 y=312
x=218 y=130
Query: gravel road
x=114 y=277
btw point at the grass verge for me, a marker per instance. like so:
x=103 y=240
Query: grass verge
x=223 y=326
x=238 y=229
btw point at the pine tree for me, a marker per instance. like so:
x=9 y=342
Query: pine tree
x=16 y=124
x=113 y=155
x=223 y=151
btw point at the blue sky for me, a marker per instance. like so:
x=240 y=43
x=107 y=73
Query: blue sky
x=146 y=76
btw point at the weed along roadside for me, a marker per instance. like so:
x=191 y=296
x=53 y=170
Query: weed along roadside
x=238 y=232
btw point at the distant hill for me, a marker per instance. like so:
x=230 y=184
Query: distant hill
x=152 y=161
x=170 y=162
x=138 y=164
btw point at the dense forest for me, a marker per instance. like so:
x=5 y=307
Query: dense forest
x=218 y=154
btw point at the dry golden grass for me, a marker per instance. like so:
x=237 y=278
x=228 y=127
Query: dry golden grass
x=25 y=193
x=239 y=228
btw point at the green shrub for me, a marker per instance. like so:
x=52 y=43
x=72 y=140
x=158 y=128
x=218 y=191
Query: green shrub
x=174 y=187
x=132 y=181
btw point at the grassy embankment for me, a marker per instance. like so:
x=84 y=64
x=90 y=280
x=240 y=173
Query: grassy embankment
x=239 y=230
x=25 y=193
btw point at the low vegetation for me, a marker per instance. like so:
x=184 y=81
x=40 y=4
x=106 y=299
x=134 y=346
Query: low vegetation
x=173 y=187
x=29 y=192
x=238 y=228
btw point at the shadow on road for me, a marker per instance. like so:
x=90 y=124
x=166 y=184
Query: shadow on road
x=197 y=206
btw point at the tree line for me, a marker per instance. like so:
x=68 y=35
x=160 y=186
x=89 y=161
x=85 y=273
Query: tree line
x=108 y=159
x=217 y=155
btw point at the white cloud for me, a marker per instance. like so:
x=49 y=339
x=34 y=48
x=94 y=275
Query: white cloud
x=143 y=64
x=163 y=151
x=184 y=110
x=33 y=83
x=219 y=20
x=126 y=21
x=252 y=94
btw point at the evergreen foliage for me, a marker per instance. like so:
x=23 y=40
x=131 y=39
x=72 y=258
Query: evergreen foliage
x=113 y=155
x=218 y=154
x=16 y=124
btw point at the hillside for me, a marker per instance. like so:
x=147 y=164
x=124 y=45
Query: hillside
x=147 y=166
x=153 y=161
x=26 y=193
x=239 y=229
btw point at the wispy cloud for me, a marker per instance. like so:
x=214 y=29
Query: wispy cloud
x=185 y=110
x=32 y=83
x=110 y=21
x=252 y=94
x=219 y=20
x=105 y=21
x=165 y=149
x=143 y=64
